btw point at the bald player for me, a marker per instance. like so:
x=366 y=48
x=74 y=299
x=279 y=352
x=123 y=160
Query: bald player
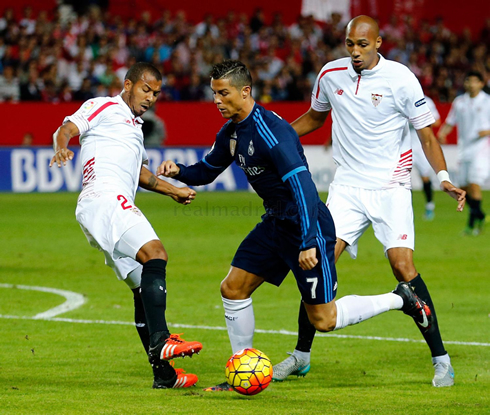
x=373 y=101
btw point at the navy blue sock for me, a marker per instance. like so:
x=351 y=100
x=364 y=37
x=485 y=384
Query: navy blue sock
x=306 y=330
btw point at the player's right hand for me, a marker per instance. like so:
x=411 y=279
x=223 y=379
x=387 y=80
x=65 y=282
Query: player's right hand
x=61 y=156
x=184 y=195
x=455 y=193
x=168 y=169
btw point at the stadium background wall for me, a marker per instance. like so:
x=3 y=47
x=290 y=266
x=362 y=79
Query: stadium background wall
x=24 y=170
x=456 y=15
x=188 y=123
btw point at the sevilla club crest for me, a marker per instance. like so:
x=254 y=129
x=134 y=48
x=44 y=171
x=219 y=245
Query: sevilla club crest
x=376 y=99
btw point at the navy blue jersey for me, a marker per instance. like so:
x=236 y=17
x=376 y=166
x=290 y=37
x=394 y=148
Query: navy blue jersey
x=268 y=150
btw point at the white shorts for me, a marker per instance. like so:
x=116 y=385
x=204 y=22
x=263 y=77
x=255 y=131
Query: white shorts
x=389 y=211
x=113 y=225
x=475 y=171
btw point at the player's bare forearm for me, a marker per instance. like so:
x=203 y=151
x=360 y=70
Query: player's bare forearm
x=61 y=138
x=150 y=182
x=309 y=121
x=432 y=149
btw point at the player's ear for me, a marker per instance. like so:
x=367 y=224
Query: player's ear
x=127 y=85
x=379 y=41
x=246 y=90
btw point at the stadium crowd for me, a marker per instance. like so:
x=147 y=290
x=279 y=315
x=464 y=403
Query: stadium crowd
x=53 y=57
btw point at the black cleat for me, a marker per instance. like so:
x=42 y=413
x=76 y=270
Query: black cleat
x=413 y=306
x=164 y=375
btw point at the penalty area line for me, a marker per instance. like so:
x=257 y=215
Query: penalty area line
x=218 y=328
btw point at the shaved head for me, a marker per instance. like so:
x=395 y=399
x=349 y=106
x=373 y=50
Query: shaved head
x=362 y=41
x=364 y=24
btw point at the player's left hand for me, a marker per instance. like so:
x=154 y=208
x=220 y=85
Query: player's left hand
x=455 y=193
x=61 y=156
x=184 y=195
x=308 y=259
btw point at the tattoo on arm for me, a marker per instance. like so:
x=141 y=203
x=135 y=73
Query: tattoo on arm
x=152 y=182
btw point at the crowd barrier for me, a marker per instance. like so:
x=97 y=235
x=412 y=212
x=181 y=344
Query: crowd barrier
x=24 y=170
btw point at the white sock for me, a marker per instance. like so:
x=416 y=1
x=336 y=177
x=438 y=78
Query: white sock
x=240 y=322
x=441 y=359
x=352 y=309
x=302 y=356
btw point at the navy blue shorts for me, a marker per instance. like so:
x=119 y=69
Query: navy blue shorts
x=271 y=250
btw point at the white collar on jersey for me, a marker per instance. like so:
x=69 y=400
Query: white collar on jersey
x=367 y=72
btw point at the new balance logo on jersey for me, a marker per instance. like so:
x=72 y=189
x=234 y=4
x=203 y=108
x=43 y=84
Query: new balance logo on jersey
x=339 y=91
x=402 y=237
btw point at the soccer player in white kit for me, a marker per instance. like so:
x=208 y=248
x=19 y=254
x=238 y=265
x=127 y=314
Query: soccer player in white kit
x=372 y=100
x=471 y=113
x=422 y=164
x=114 y=165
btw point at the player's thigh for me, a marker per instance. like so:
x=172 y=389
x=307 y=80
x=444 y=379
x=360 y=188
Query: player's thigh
x=118 y=227
x=390 y=211
x=318 y=285
x=240 y=284
x=259 y=254
x=347 y=210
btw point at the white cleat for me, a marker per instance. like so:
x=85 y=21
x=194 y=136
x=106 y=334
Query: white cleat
x=444 y=375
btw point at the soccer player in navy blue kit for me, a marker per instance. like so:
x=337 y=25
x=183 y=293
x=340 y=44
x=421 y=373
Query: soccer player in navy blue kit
x=296 y=233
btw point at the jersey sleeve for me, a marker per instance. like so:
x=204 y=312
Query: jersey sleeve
x=319 y=99
x=283 y=145
x=411 y=100
x=90 y=114
x=211 y=166
x=433 y=108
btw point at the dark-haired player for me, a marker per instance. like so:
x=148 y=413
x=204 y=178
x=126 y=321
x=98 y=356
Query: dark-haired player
x=296 y=233
x=114 y=165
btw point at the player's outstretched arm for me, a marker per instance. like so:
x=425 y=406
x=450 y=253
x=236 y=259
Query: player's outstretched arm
x=61 y=138
x=309 y=121
x=149 y=181
x=168 y=169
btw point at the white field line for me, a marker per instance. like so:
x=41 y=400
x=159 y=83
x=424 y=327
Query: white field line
x=74 y=300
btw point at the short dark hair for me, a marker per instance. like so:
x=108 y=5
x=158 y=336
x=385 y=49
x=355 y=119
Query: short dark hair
x=475 y=73
x=235 y=71
x=138 y=69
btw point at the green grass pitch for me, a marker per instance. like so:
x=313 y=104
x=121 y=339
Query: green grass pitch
x=90 y=367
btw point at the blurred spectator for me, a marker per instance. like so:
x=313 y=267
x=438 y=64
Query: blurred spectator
x=154 y=131
x=27 y=140
x=9 y=85
x=85 y=92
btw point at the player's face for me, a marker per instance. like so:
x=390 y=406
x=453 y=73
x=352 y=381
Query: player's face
x=142 y=94
x=229 y=99
x=362 y=44
x=473 y=85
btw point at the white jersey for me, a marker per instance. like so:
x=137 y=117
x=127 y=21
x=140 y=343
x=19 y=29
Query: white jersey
x=371 y=140
x=112 y=145
x=471 y=115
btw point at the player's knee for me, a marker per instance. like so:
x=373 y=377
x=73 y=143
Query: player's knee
x=324 y=322
x=403 y=270
x=231 y=291
x=152 y=250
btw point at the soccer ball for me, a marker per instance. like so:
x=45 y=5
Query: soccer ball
x=249 y=371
